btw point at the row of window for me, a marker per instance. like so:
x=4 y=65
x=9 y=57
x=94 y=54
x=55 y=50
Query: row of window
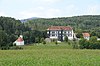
x=60 y=32
x=69 y=35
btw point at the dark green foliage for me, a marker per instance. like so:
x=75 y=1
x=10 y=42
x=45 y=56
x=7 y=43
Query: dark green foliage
x=56 y=42
x=42 y=39
x=93 y=39
x=3 y=38
x=66 y=39
x=44 y=42
x=69 y=42
x=14 y=45
x=79 y=35
x=37 y=40
x=82 y=43
x=16 y=48
x=91 y=44
x=10 y=29
x=79 y=23
x=75 y=44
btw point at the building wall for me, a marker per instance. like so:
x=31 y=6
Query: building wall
x=19 y=43
x=87 y=38
x=55 y=34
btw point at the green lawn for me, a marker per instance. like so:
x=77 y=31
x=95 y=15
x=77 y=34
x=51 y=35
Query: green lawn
x=49 y=55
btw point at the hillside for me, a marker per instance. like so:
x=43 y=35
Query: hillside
x=25 y=20
x=10 y=29
x=86 y=23
x=80 y=22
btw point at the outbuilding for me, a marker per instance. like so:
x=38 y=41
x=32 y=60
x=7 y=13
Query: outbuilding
x=19 y=41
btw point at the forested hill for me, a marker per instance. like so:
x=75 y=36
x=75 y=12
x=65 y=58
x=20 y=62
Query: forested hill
x=10 y=29
x=89 y=23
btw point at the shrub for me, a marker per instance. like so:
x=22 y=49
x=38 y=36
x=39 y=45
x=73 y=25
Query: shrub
x=56 y=42
x=44 y=42
x=69 y=43
x=93 y=39
x=66 y=39
x=92 y=44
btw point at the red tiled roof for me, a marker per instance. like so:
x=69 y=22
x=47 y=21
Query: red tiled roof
x=59 y=28
x=86 y=34
x=19 y=39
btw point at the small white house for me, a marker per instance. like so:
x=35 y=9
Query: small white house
x=86 y=36
x=19 y=41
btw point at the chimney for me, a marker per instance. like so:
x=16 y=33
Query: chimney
x=21 y=36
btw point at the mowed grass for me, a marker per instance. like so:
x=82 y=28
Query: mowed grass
x=49 y=55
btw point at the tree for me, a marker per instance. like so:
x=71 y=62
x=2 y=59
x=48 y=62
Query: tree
x=79 y=35
x=44 y=42
x=56 y=42
x=93 y=39
x=82 y=43
x=3 y=38
x=66 y=39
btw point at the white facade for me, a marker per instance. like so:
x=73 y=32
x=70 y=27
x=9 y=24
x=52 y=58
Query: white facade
x=54 y=34
x=19 y=43
x=87 y=38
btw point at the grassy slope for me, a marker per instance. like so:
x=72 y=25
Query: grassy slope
x=49 y=55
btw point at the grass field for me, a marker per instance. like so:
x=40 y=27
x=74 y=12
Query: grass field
x=49 y=55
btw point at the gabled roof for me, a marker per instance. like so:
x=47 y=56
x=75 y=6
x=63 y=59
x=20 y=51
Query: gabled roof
x=19 y=39
x=60 y=28
x=86 y=34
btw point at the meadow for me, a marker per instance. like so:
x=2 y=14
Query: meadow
x=49 y=55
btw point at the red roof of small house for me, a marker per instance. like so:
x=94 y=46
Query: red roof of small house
x=60 y=28
x=20 y=39
x=86 y=34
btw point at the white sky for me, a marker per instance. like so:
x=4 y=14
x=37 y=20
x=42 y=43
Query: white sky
x=21 y=9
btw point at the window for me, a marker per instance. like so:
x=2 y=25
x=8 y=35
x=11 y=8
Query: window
x=66 y=31
x=53 y=31
x=48 y=32
x=69 y=31
x=69 y=35
x=59 y=31
x=53 y=34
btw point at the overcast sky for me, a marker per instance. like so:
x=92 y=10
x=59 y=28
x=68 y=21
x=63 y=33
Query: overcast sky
x=21 y=9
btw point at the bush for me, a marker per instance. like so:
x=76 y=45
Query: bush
x=92 y=44
x=44 y=42
x=14 y=44
x=66 y=39
x=93 y=39
x=56 y=42
x=16 y=48
x=69 y=43
x=5 y=48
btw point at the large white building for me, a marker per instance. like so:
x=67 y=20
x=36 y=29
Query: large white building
x=59 y=32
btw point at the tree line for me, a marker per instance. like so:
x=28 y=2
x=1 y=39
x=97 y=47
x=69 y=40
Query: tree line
x=93 y=43
x=34 y=31
x=10 y=29
x=88 y=23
